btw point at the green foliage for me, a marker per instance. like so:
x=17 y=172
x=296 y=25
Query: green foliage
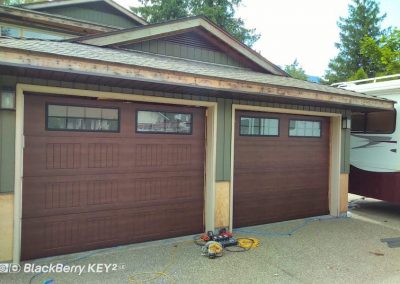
x=296 y=71
x=359 y=75
x=221 y=12
x=384 y=53
x=156 y=11
x=364 y=20
x=17 y=2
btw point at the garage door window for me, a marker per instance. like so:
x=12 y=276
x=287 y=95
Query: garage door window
x=304 y=128
x=163 y=122
x=259 y=126
x=79 y=118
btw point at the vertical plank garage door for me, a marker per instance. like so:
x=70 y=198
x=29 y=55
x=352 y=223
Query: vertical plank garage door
x=281 y=167
x=102 y=173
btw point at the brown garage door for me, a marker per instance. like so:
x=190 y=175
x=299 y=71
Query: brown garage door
x=281 y=167
x=102 y=173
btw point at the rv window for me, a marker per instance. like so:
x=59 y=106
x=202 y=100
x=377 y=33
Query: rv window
x=382 y=122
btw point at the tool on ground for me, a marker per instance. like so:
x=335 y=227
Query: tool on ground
x=214 y=245
x=212 y=249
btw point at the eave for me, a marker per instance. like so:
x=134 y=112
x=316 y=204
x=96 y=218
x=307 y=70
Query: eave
x=42 y=61
x=52 y=21
x=51 y=4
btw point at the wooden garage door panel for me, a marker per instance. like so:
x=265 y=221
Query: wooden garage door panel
x=63 y=195
x=280 y=178
x=71 y=155
x=62 y=234
x=85 y=190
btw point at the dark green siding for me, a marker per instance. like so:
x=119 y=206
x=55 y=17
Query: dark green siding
x=345 y=162
x=164 y=47
x=100 y=13
x=7 y=150
x=224 y=125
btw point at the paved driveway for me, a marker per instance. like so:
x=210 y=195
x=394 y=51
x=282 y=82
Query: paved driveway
x=344 y=250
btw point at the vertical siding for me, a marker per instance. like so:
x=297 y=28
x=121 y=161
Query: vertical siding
x=7 y=150
x=159 y=46
x=95 y=13
x=345 y=155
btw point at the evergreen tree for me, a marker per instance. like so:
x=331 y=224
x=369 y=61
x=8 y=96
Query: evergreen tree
x=17 y=2
x=384 y=54
x=296 y=71
x=364 y=19
x=221 y=12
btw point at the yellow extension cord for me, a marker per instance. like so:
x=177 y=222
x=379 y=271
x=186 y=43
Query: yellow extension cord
x=151 y=276
x=246 y=243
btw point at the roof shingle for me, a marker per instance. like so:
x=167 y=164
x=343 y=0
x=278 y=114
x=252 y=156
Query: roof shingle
x=137 y=58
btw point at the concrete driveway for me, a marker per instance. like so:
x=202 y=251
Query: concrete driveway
x=344 y=250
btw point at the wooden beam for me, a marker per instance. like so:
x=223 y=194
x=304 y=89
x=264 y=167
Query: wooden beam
x=27 y=59
x=52 y=21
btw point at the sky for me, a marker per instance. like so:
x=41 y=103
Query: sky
x=305 y=30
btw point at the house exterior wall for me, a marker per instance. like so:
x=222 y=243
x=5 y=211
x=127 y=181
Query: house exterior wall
x=223 y=152
x=224 y=125
x=163 y=47
x=7 y=152
x=98 y=13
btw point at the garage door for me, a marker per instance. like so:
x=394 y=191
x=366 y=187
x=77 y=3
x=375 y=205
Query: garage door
x=102 y=173
x=281 y=167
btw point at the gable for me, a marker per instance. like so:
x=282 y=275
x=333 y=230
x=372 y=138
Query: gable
x=97 y=12
x=207 y=29
x=188 y=45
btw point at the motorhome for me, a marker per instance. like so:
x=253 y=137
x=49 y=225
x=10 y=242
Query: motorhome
x=375 y=142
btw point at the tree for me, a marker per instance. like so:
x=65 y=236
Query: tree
x=384 y=53
x=364 y=19
x=221 y=12
x=296 y=71
x=17 y=2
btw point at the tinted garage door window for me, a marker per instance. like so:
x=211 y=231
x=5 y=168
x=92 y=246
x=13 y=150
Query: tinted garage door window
x=93 y=179
x=281 y=167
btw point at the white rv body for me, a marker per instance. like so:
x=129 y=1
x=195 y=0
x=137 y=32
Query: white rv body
x=376 y=152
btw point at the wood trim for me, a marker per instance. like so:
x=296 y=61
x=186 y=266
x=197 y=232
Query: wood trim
x=335 y=141
x=51 y=4
x=19 y=165
x=6 y=226
x=126 y=12
x=344 y=190
x=26 y=59
x=211 y=141
x=157 y=31
x=53 y=21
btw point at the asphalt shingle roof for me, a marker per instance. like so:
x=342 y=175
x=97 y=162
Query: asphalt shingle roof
x=136 y=58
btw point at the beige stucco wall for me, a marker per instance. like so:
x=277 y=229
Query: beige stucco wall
x=6 y=226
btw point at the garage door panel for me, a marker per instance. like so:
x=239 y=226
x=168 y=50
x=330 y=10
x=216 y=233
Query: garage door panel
x=60 y=195
x=279 y=178
x=76 y=232
x=46 y=156
x=245 y=180
x=87 y=190
x=255 y=159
